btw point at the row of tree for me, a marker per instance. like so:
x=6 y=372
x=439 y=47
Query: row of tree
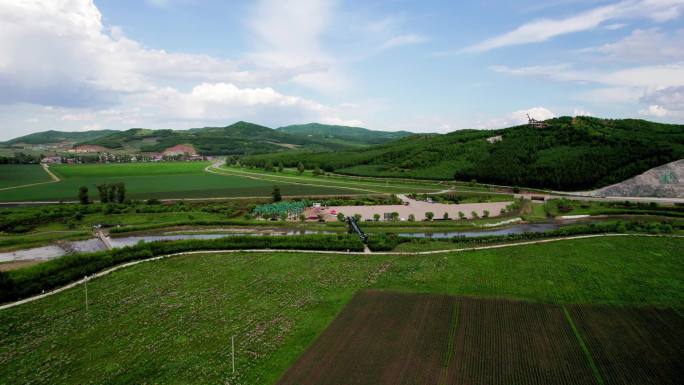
x=108 y=192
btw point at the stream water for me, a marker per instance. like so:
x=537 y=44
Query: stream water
x=95 y=244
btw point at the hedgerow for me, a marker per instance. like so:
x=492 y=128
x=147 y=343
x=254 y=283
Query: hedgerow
x=33 y=280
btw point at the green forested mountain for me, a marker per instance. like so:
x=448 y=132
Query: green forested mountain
x=570 y=154
x=236 y=139
x=49 y=137
x=345 y=133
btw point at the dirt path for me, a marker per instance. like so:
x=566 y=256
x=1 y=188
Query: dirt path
x=359 y=253
x=54 y=177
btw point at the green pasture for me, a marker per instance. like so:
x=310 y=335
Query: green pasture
x=171 y=321
x=159 y=180
x=12 y=175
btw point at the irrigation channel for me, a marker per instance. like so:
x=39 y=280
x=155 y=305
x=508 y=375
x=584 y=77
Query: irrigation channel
x=45 y=253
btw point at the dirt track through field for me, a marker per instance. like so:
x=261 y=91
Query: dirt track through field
x=55 y=179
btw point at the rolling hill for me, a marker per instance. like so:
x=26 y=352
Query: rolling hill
x=345 y=133
x=51 y=137
x=240 y=138
x=569 y=154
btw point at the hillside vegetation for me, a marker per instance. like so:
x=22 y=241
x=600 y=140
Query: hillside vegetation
x=236 y=139
x=569 y=154
x=350 y=134
x=49 y=137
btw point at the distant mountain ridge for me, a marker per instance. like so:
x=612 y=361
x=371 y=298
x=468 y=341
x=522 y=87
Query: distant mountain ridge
x=239 y=138
x=354 y=134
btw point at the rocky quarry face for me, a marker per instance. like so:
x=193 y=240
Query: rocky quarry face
x=666 y=181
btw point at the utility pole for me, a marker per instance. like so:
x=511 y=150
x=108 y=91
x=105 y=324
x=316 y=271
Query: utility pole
x=85 y=284
x=232 y=346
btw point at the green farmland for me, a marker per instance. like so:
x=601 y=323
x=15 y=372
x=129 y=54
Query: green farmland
x=12 y=175
x=171 y=321
x=157 y=180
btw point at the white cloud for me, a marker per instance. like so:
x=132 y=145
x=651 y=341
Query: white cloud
x=654 y=76
x=643 y=47
x=401 y=40
x=581 y=112
x=615 y=26
x=661 y=112
x=287 y=34
x=611 y=95
x=544 y=29
x=539 y=113
x=58 y=54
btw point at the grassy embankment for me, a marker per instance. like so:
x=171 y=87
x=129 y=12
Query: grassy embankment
x=171 y=321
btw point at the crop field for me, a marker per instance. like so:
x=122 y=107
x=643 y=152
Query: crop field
x=171 y=321
x=391 y=338
x=157 y=180
x=12 y=175
x=380 y=338
x=633 y=346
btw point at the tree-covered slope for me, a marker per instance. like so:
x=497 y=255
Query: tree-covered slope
x=237 y=139
x=351 y=134
x=49 y=137
x=569 y=154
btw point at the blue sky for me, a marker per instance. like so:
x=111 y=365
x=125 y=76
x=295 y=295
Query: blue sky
x=423 y=66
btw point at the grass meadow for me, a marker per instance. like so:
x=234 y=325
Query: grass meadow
x=171 y=321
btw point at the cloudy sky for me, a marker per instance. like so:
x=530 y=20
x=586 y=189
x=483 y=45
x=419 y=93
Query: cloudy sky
x=423 y=66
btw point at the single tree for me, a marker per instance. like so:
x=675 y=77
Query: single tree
x=485 y=213
x=269 y=166
x=103 y=192
x=302 y=217
x=317 y=171
x=281 y=167
x=461 y=215
x=376 y=217
x=429 y=215
x=300 y=168
x=276 y=194
x=340 y=217
x=412 y=218
x=445 y=216
x=394 y=216
x=120 y=192
x=111 y=193
x=83 y=195
x=503 y=211
x=283 y=216
x=357 y=217
x=474 y=214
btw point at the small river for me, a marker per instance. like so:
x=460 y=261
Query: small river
x=95 y=244
x=516 y=229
